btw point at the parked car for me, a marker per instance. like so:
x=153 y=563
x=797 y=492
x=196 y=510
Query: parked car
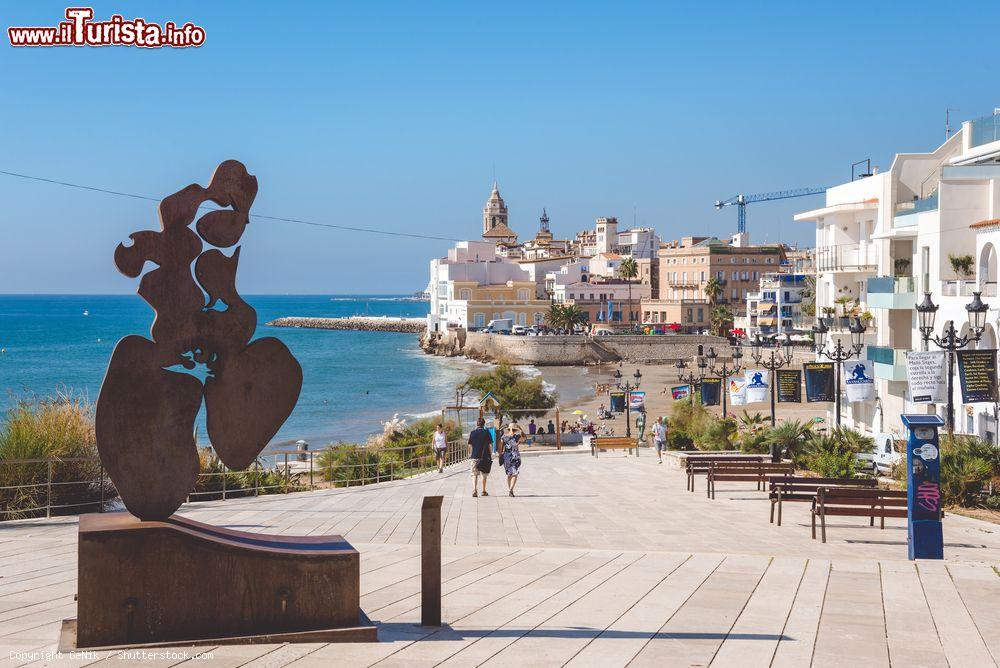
x=887 y=451
x=519 y=330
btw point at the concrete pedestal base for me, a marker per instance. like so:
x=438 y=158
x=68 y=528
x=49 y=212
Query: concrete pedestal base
x=183 y=582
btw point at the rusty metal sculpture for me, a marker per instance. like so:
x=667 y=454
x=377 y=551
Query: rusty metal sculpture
x=146 y=411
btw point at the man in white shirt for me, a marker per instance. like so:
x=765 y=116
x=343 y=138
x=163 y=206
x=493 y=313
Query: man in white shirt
x=660 y=437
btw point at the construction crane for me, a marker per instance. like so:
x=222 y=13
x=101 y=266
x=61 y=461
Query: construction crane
x=741 y=201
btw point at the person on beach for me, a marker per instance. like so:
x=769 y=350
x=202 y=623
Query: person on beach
x=510 y=455
x=552 y=427
x=480 y=454
x=660 y=437
x=440 y=446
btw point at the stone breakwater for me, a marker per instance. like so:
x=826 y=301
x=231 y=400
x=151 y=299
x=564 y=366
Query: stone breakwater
x=357 y=323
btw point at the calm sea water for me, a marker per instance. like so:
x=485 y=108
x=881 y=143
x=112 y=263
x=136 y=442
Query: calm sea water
x=353 y=381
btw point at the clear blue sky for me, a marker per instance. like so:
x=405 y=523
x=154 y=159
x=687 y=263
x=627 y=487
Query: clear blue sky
x=394 y=115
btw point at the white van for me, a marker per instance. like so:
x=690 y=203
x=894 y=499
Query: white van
x=500 y=326
x=887 y=451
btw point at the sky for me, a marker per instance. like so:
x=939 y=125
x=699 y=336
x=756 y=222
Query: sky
x=396 y=116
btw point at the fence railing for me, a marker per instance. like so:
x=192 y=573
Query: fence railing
x=45 y=487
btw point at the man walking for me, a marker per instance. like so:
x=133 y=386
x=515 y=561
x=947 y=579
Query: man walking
x=660 y=437
x=481 y=455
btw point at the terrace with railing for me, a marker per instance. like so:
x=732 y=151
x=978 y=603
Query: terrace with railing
x=985 y=130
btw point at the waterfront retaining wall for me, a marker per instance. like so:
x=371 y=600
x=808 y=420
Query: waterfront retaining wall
x=356 y=323
x=574 y=350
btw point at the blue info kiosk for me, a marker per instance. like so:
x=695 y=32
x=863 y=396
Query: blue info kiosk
x=923 y=486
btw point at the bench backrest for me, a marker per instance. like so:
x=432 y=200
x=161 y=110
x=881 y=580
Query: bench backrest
x=806 y=484
x=604 y=441
x=703 y=463
x=753 y=467
x=854 y=496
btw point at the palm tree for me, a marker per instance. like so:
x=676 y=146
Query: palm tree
x=713 y=290
x=574 y=315
x=721 y=319
x=556 y=317
x=628 y=270
x=750 y=422
x=789 y=437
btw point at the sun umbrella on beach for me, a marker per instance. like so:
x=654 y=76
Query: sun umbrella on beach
x=578 y=412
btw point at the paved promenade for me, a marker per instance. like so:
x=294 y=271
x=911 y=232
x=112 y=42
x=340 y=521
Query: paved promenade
x=606 y=562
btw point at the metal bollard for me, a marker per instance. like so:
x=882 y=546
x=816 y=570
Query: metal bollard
x=430 y=561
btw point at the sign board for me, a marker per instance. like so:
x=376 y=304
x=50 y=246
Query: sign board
x=789 y=385
x=859 y=380
x=617 y=401
x=680 y=392
x=711 y=391
x=636 y=400
x=977 y=373
x=758 y=385
x=927 y=376
x=820 y=382
x=737 y=391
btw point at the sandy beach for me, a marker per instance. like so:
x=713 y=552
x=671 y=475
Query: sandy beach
x=580 y=394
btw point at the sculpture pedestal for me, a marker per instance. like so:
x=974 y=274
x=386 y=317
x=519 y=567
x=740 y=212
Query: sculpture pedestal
x=183 y=582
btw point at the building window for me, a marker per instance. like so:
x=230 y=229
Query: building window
x=735 y=293
x=522 y=295
x=746 y=275
x=770 y=260
x=925 y=268
x=755 y=275
x=465 y=293
x=721 y=275
x=690 y=314
x=480 y=320
x=701 y=314
x=736 y=275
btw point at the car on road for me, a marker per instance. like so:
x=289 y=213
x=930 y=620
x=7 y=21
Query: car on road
x=519 y=330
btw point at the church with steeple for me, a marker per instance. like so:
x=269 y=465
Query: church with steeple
x=495 y=220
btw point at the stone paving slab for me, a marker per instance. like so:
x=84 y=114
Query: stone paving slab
x=605 y=562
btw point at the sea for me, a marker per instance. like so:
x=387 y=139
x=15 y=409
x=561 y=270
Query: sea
x=353 y=382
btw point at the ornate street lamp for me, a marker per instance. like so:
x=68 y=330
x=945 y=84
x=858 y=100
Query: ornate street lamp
x=691 y=378
x=628 y=389
x=724 y=371
x=772 y=363
x=950 y=341
x=839 y=354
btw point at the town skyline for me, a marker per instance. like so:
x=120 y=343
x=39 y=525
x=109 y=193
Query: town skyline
x=586 y=114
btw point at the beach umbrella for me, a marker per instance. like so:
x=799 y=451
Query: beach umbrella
x=578 y=412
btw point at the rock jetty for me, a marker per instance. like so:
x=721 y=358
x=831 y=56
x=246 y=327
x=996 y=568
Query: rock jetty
x=357 y=323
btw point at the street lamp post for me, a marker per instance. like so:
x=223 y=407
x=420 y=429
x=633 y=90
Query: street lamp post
x=628 y=388
x=951 y=341
x=772 y=363
x=691 y=378
x=724 y=371
x=839 y=354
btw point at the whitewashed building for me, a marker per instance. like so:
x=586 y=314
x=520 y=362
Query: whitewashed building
x=884 y=239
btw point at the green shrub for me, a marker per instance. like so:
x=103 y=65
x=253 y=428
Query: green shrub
x=59 y=429
x=993 y=502
x=833 y=464
x=253 y=481
x=513 y=390
x=833 y=454
x=967 y=466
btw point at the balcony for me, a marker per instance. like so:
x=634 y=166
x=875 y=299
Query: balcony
x=846 y=258
x=985 y=130
x=958 y=288
x=892 y=292
x=889 y=363
x=907 y=214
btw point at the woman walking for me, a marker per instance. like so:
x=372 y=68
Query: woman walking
x=510 y=455
x=440 y=446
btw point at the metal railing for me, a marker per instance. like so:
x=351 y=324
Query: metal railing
x=958 y=288
x=985 y=130
x=846 y=257
x=891 y=285
x=80 y=484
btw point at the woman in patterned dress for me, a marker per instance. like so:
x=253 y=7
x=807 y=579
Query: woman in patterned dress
x=510 y=455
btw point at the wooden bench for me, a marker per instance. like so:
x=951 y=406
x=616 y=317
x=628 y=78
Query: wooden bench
x=613 y=443
x=855 y=502
x=757 y=472
x=803 y=489
x=699 y=464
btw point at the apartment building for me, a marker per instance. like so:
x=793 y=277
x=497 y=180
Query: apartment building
x=474 y=285
x=927 y=224
x=776 y=309
x=685 y=268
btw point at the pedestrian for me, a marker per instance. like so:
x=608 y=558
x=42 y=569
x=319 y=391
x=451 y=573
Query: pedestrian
x=481 y=455
x=552 y=427
x=510 y=455
x=440 y=446
x=531 y=427
x=660 y=437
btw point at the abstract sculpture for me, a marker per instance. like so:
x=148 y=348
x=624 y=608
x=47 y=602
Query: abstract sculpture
x=152 y=578
x=146 y=410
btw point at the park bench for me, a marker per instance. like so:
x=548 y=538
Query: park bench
x=613 y=443
x=855 y=502
x=757 y=472
x=803 y=489
x=699 y=464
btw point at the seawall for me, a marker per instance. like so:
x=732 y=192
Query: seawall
x=356 y=323
x=570 y=350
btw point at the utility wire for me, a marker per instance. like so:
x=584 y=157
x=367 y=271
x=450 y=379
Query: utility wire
x=297 y=221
